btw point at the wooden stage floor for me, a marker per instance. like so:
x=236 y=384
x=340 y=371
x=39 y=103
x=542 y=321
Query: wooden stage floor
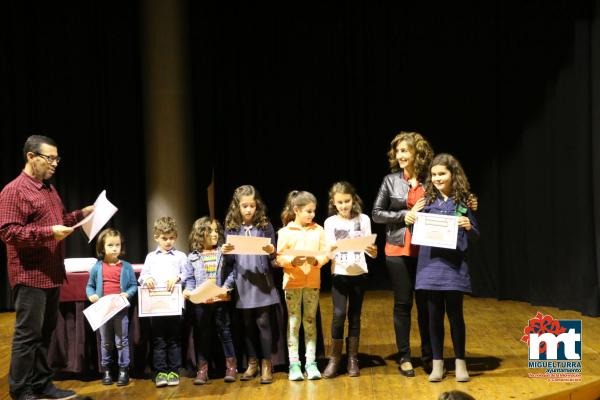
x=496 y=358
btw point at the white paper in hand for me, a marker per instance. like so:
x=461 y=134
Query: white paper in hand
x=435 y=230
x=103 y=212
x=206 y=290
x=104 y=309
x=303 y=253
x=248 y=244
x=355 y=244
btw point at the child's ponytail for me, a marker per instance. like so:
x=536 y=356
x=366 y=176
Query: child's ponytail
x=295 y=198
x=288 y=214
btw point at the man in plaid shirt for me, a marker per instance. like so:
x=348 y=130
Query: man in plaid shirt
x=33 y=223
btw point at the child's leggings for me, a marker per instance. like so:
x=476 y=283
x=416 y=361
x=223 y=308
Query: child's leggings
x=452 y=302
x=297 y=300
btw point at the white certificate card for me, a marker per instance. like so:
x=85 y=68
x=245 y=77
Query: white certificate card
x=435 y=230
x=159 y=301
x=303 y=253
x=355 y=244
x=104 y=309
x=248 y=244
x=205 y=291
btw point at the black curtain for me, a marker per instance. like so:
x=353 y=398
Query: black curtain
x=73 y=73
x=301 y=96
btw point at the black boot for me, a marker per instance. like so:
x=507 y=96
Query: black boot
x=352 y=352
x=123 y=379
x=334 y=359
x=106 y=378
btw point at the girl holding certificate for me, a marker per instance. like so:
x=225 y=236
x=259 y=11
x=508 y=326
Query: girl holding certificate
x=400 y=192
x=442 y=274
x=208 y=263
x=349 y=271
x=256 y=292
x=301 y=252
x=110 y=275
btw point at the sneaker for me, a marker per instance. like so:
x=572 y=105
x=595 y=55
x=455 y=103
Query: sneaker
x=295 y=372
x=52 y=392
x=161 y=379
x=312 y=372
x=173 y=379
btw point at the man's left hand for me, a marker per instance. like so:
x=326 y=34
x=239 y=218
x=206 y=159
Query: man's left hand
x=87 y=210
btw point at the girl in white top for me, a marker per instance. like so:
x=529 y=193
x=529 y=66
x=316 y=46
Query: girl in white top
x=349 y=271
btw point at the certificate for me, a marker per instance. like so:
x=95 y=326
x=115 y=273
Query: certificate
x=248 y=244
x=303 y=253
x=104 y=309
x=159 y=301
x=435 y=230
x=205 y=291
x=357 y=244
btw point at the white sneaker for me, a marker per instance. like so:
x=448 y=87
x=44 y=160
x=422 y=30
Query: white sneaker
x=312 y=371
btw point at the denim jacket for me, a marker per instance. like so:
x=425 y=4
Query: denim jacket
x=225 y=273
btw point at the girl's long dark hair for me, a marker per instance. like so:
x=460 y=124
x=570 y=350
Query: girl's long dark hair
x=234 y=219
x=460 y=184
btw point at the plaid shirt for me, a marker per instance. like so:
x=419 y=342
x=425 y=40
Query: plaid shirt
x=28 y=210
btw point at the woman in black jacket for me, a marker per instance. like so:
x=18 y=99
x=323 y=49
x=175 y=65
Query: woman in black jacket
x=410 y=156
x=402 y=191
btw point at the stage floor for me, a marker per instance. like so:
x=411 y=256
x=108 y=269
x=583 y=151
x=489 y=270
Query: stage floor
x=496 y=358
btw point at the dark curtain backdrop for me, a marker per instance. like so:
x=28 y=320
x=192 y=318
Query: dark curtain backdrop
x=297 y=97
x=73 y=73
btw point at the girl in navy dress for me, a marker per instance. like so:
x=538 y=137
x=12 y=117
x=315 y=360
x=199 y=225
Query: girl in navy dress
x=256 y=292
x=443 y=274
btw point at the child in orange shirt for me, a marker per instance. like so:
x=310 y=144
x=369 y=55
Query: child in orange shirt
x=302 y=277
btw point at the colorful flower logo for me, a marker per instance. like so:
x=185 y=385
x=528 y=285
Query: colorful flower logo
x=542 y=324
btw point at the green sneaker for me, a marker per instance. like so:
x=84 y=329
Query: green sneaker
x=295 y=372
x=312 y=372
x=161 y=379
x=173 y=379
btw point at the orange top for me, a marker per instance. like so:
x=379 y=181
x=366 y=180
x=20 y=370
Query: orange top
x=414 y=194
x=310 y=238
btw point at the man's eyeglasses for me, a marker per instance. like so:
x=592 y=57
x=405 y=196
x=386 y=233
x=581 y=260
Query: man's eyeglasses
x=49 y=159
